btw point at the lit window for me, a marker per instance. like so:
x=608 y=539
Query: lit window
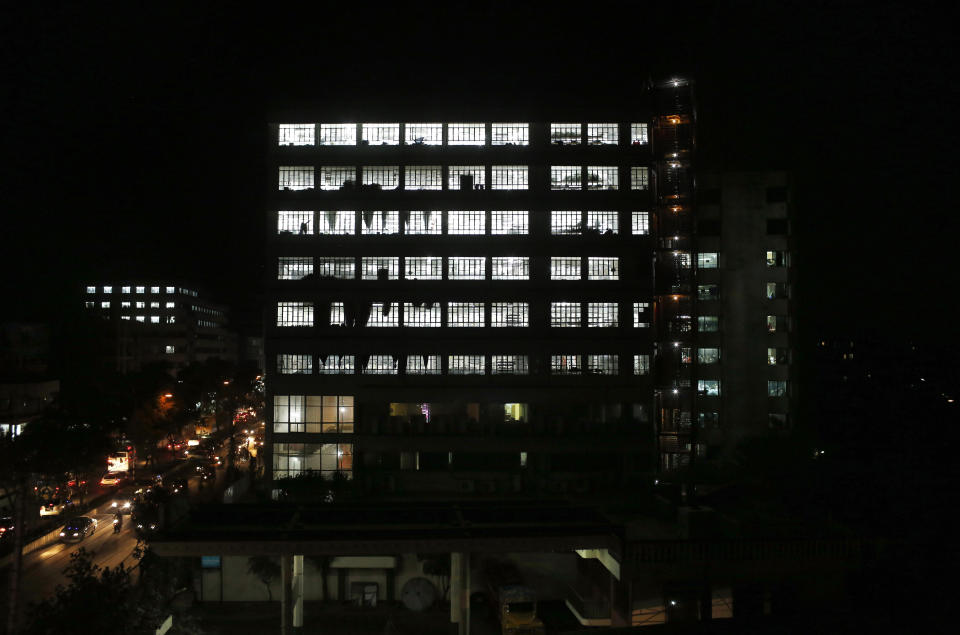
x=466 y=365
x=294 y=364
x=777 y=259
x=473 y=268
x=328 y=414
x=639 y=134
x=294 y=313
x=708 y=292
x=777 y=356
x=641 y=315
x=289 y=269
x=566 y=134
x=169 y=319
x=510 y=268
x=154 y=319
x=141 y=305
x=510 y=314
x=421 y=314
x=465 y=314
x=565 y=365
x=565 y=314
x=423 y=268
x=288 y=413
x=776 y=323
x=423 y=365
x=335 y=268
x=141 y=318
x=124 y=289
x=154 y=305
x=422 y=222
x=91 y=304
x=91 y=289
x=466 y=134
x=603 y=177
x=171 y=289
x=510 y=134
x=682 y=259
x=296 y=134
x=381 y=134
x=640 y=223
x=326 y=459
x=291 y=222
x=603 y=365
x=708 y=323
x=602 y=314
x=777 y=388
x=337 y=314
x=384 y=314
x=123 y=305
x=603 y=223
x=602 y=134
x=336 y=222
x=168 y=305
x=108 y=289
x=565 y=222
x=141 y=289
x=169 y=350
x=709 y=387
x=387 y=268
x=600 y=268
x=154 y=289
x=425 y=134
x=380 y=365
x=462 y=222
x=335 y=364
x=509 y=365
x=707 y=260
x=380 y=222
x=508 y=222
x=338 y=134
x=423 y=177
x=708 y=355
x=508 y=177
x=381 y=177
x=641 y=364
x=466 y=177
x=564 y=268
x=639 y=178
x=296 y=177
x=104 y=305
x=566 y=177
x=337 y=177
x=775 y=290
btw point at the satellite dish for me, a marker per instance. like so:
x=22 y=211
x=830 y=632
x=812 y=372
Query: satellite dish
x=418 y=594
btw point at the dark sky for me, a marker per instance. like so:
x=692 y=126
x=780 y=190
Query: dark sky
x=134 y=136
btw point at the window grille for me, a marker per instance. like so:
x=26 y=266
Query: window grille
x=294 y=314
x=564 y=222
x=422 y=314
x=381 y=134
x=288 y=413
x=466 y=365
x=423 y=365
x=565 y=314
x=292 y=222
x=338 y=134
x=422 y=222
x=603 y=177
x=294 y=268
x=428 y=134
x=566 y=134
x=564 y=268
x=338 y=268
x=463 y=222
x=384 y=177
x=641 y=364
x=465 y=314
x=335 y=364
x=337 y=314
x=641 y=315
x=337 y=177
x=296 y=177
x=294 y=364
x=384 y=314
x=509 y=177
x=336 y=222
x=565 y=365
x=380 y=222
x=510 y=134
x=510 y=268
x=709 y=387
x=602 y=134
x=707 y=260
x=423 y=177
x=296 y=134
x=466 y=177
x=472 y=268
x=566 y=177
x=639 y=178
x=600 y=268
x=603 y=223
x=602 y=365
x=510 y=314
x=509 y=365
x=602 y=314
x=708 y=323
x=381 y=365
x=466 y=134
x=639 y=134
x=508 y=222
x=640 y=223
x=380 y=268
x=423 y=268
x=708 y=355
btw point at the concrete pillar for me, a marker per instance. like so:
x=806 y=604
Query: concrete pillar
x=286 y=577
x=460 y=592
x=297 y=593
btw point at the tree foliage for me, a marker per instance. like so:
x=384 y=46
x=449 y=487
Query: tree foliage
x=266 y=569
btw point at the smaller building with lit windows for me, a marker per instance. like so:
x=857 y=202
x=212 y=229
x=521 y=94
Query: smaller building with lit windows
x=151 y=322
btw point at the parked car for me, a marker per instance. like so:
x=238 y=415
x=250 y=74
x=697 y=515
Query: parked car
x=78 y=528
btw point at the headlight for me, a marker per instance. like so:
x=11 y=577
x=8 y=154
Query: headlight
x=114 y=504
x=153 y=526
x=62 y=534
x=139 y=526
x=75 y=534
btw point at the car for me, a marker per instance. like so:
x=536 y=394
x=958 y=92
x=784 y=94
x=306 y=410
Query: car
x=51 y=508
x=142 y=487
x=179 y=486
x=6 y=528
x=122 y=504
x=206 y=472
x=112 y=479
x=78 y=528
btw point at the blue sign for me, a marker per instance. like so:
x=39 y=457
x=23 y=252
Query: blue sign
x=210 y=562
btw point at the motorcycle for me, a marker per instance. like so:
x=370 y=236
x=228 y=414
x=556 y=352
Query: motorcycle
x=116 y=525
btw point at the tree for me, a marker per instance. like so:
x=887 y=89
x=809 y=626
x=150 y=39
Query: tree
x=266 y=569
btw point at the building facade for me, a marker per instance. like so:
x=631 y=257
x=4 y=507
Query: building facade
x=488 y=308
x=150 y=321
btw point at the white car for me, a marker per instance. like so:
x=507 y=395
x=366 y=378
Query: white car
x=111 y=478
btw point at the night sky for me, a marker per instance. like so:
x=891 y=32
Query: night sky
x=135 y=137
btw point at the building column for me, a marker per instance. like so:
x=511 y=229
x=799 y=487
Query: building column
x=297 y=594
x=286 y=575
x=460 y=593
